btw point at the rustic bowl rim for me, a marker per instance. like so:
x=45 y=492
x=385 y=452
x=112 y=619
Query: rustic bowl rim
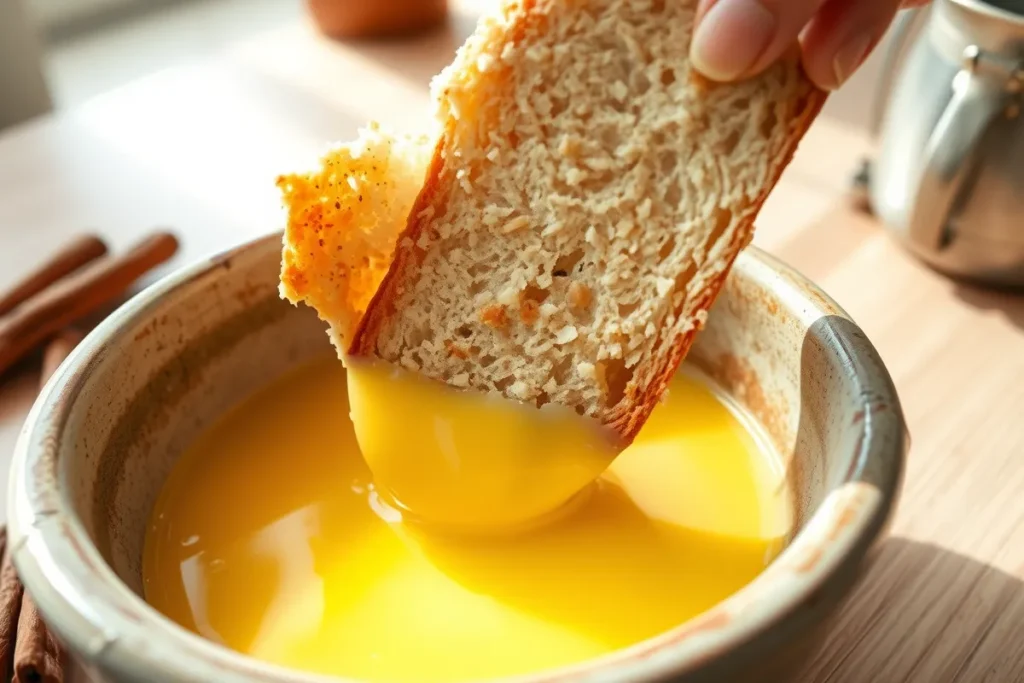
x=97 y=615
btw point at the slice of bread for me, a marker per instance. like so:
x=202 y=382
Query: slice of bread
x=344 y=218
x=585 y=202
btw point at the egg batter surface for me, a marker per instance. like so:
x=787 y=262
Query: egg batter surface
x=270 y=538
x=469 y=462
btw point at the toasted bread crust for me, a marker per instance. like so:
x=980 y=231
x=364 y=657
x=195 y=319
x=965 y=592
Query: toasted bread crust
x=382 y=304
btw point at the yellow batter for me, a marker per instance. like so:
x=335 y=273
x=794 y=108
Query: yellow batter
x=470 y=462
x=270 y=538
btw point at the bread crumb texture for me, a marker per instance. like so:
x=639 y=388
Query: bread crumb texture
x=588 y=195
x=344 y=218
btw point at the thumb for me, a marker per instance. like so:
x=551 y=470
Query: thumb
x=737 y=38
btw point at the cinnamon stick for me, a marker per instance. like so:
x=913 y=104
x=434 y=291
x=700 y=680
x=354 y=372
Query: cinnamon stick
x=11 y=592
x=77 y=295
x=70 y=258
x=38 y=657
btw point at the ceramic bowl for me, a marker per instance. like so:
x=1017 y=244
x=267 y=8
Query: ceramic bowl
x=109 y=426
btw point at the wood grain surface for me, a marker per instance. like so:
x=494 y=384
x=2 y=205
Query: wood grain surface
x=197 y=149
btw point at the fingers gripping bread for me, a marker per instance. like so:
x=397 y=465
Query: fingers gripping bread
x=586 y=199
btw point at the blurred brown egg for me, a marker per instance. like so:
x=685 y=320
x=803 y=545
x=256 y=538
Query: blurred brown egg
x=382 y=18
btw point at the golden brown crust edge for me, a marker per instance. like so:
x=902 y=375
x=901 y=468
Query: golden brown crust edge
x=381 y=306
x=382 y=303
x=631 y=418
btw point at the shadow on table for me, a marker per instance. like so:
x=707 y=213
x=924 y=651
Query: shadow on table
x=919 y=613
x=1010 y=304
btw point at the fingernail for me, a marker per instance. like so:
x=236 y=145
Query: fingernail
x=730 y=38
x=849 y=57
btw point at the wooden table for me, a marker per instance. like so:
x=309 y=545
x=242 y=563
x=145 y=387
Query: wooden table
x=198 y=149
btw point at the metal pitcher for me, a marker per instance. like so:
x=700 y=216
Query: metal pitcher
x=949 y=175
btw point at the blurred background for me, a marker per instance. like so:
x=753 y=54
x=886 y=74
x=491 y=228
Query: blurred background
x=61 y=53
x=89 y=46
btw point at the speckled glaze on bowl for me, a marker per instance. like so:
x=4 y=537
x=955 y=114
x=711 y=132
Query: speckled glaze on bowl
x=110 y=424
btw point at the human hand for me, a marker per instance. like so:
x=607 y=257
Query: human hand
x=738 y=38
